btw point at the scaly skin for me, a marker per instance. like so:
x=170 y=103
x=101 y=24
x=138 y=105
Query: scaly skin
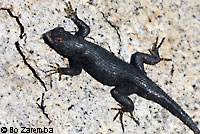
x=112 y=71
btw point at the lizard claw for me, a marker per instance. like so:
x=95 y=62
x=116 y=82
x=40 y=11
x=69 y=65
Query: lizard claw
x=54 y=70
x=69 y=10
x=132 y=117
x=120 y=114
x=154 y=50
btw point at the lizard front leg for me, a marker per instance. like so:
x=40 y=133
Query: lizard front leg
x=74 y=69
x=83 y=28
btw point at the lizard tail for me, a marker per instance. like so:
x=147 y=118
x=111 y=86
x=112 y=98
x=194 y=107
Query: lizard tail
x=168 y=103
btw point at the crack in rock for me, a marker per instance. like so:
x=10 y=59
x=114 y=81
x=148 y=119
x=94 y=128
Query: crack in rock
x=17 y=45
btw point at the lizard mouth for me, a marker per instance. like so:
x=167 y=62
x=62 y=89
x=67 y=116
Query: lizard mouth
x=54 y=37
x=47 y=39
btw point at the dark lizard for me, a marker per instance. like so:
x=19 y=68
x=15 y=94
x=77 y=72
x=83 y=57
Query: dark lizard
x=109 y=70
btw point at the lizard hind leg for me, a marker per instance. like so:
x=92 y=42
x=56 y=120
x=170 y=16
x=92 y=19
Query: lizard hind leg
x=120 y=114
x=154 y=51
x=138 y=59
x=120 y=94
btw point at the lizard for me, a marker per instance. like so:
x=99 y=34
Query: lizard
x=110 y=70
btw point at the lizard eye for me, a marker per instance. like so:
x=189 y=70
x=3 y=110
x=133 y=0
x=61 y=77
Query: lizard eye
x=59 y=40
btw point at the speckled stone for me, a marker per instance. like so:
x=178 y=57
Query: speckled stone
x=122 y=27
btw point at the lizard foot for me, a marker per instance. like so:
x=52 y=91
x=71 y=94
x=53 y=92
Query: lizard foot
x=154 y=50
x=54 y=70
x=69 y=10
x=120 y=113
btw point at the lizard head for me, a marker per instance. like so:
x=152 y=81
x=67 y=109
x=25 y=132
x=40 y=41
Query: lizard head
x=59 y=40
